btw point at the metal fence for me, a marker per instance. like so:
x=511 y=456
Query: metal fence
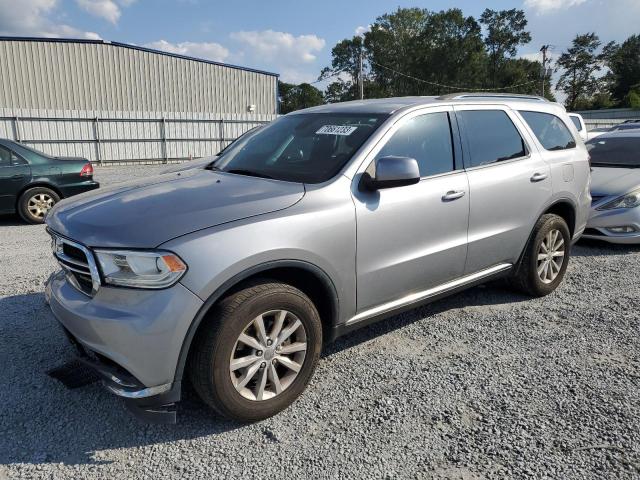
x=109 y=140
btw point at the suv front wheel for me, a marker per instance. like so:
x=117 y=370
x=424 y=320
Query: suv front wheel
x=257 y=351
x=546 y=257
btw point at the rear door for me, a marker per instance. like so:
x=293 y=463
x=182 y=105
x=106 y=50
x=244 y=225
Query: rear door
x=15 y=174
x=509 y=184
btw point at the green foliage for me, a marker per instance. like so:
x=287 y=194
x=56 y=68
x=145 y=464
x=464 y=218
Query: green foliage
x=633 y=99
x=580 y=64
x=505 y=33
x=295 y=97
x=624 y=65
x=415 y=51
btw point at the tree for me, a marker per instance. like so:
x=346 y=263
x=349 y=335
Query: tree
x=624 y=65
x=580 y=64
x=345 y=67
x=294 y=97
x=505 y=33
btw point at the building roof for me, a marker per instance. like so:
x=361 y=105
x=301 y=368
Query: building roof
x=132 y=47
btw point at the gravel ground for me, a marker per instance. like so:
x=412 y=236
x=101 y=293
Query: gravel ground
x=486 y=384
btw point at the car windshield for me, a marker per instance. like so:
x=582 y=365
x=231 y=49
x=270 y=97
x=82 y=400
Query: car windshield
x=615 y=151
x=576 y=122
x=308 y=148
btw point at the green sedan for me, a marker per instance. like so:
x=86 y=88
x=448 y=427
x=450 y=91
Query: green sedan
x=31 y=182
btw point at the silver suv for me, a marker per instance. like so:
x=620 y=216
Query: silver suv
x=233 y=274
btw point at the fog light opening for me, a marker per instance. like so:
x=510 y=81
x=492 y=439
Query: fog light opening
x=622 y=229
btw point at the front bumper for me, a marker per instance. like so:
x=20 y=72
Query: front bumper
x=131 y=337
x=601 y=220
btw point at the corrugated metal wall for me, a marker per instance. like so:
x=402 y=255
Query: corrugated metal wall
x=111 y=102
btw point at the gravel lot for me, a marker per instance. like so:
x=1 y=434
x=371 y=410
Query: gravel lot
x=487 y=384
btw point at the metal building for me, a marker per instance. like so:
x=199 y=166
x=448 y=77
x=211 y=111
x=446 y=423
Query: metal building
x=110 y=101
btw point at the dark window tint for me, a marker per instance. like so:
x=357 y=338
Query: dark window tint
x=5 y=157
x=615 y=151
x=576 y=122
x=426 y=138
x=552 y=133
x=492 y=137
x=310 y=147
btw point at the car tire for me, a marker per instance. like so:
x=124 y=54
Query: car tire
x=219 y=349
x=34 y=204
x=545 y=259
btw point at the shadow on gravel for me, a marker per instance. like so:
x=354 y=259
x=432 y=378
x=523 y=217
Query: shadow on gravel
x=11 y=221
x=43 y=422
x=592 y=248
x=494 y=293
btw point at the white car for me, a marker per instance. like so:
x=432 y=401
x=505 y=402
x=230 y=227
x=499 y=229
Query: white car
x=578 y=121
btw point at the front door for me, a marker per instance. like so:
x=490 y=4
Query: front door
x=15 y=173
x=414 y=237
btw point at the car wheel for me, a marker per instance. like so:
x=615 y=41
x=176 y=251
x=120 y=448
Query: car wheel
x=35 y=203
x=257 y=351
x=546 y=257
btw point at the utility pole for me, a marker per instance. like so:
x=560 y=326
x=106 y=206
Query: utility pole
x=544 y=65
x=361 y=79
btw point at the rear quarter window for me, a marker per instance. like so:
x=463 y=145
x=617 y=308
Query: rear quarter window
x=551 y=131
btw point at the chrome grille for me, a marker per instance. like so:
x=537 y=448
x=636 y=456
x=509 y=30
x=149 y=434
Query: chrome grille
x=78 y=262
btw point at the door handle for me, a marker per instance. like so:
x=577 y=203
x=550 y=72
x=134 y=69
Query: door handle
x=17 y=177
x=453 y=195
x=538 y=177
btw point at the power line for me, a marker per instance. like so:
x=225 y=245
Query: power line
x=334 y=74
x=468 y=89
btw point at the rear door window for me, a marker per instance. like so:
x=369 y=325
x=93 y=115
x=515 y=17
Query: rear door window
x=492 y=137
x=550 y=131
x=5 y=157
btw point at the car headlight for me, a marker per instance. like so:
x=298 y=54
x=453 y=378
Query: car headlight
x=140 y=269
x=630 y=200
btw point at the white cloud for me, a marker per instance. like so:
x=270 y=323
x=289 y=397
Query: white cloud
x=107 y=9
x=270 y=45
x=292 y=56
x=32 y=18
x=362 y=30
x=209 y=51
x=542 y=7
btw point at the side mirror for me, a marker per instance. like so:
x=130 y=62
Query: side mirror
x=392 y=172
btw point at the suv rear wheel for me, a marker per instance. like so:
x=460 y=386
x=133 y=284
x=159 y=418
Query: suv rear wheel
x=35 y=203
x=546 y=257
x=257 y=351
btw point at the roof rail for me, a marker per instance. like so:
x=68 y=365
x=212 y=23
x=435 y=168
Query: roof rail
x=503 y=96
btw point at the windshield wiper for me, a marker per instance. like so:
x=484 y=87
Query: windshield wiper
x=249 y=173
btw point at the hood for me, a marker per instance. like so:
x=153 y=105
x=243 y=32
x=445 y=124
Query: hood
x=146 y=213
x=607 y=181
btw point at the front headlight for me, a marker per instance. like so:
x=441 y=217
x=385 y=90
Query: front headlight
x=140 y=269
x=630 y=200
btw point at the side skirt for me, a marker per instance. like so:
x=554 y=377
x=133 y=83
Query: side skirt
x=417 y=299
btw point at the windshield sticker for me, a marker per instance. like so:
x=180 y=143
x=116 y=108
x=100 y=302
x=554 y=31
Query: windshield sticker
x=344 y=130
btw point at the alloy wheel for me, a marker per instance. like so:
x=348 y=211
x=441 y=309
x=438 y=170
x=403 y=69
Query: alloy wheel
x=40 y=204
x=268 y=355
x=551 y=255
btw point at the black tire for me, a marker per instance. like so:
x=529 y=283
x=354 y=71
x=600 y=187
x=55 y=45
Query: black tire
x=527 y=279
x=35 y=194
x=209 y=363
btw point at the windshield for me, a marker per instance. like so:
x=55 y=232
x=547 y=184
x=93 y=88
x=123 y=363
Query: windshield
x=576 y=122
x=308 y=148
x=615 y=151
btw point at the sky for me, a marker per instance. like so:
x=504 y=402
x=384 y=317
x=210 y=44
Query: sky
x=290 y=37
